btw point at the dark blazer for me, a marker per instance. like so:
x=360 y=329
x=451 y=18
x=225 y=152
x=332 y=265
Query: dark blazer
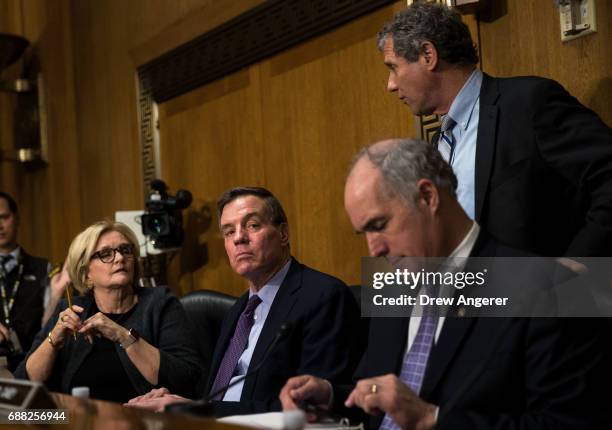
x=159 y=319
x=323 y=341
x=543 y=169
x=28 y=308
x=498 y=373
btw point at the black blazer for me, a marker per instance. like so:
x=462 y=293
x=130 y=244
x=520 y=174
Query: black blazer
x=158 y=317
x=323 y=341
x=501 y=373
x=28 y=309
x=543 y=169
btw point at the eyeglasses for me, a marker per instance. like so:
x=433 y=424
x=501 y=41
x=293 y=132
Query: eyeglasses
x=107 y=255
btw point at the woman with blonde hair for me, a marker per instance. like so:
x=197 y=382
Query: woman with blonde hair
x=118 y=339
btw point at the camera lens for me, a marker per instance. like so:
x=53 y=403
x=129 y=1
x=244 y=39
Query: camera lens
x=155 y=224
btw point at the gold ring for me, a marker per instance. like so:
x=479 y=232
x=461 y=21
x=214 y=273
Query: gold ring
x=62 y=318
x=374 y=389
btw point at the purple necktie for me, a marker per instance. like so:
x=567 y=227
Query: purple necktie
x=415 y=360
x=236 y=347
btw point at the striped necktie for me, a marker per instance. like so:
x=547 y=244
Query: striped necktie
x=446 y=140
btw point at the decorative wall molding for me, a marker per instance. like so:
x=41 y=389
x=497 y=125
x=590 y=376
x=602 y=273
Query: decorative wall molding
x=429 y=124
x=263 y=31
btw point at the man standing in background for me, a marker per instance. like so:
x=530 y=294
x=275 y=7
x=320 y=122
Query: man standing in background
x=24 y=287
x=534 y=166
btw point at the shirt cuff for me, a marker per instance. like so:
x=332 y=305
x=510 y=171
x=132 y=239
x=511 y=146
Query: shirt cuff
x=330 y=402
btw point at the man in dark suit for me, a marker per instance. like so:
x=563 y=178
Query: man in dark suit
x=444 y=370
x=534 y=166
x=23 y=287
x=320 y=309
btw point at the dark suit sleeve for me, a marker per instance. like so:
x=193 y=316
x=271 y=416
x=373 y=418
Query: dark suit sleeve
x=53 y=382
x=564 y=376
x=330 y=347
x=179 y=365
x=576 y=143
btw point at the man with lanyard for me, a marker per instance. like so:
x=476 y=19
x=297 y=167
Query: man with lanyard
x=23 y=287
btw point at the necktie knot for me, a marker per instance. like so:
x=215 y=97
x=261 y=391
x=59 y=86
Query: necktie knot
x=447 y=123
x=252 y=304
x=4 y=259
x=446 y=141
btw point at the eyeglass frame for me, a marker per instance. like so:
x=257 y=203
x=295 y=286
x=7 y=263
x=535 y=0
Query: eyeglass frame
x=124 y=254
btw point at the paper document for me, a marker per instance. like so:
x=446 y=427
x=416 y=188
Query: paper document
x=279 y=421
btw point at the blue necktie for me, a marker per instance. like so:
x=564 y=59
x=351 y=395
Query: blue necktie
x=446 y=140
x=415 y=360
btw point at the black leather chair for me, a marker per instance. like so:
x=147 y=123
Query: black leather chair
x=356 y=290
x=205 y=311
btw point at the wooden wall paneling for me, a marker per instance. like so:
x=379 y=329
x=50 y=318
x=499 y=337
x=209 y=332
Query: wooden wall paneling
x=10 y=22
x=293 y=127
x=106 y=104
x=326 y=109
x=525 y=40
x=207 y=149
x=59 y=218
x=106 y=35
x=209 y=15
x=48 y=196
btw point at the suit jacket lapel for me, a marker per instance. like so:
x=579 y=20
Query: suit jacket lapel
x=279 y=313
x=442 y=354
x=225 y=335
x=386 y=346
x=455 y=328
x=485 y=142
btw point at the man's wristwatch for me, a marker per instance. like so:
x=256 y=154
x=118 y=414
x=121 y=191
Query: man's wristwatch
x=132 y=338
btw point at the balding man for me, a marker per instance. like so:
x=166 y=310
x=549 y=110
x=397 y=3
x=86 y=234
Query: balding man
x=441 y=370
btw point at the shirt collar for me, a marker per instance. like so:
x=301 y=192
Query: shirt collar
x=464 y=249
x=269 y=290
x=463 y=106
x=16 y=253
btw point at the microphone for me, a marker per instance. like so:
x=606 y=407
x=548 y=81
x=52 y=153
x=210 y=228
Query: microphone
x=204 y=406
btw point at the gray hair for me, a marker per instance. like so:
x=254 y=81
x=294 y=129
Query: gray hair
x=404 y=162
x=429 y=22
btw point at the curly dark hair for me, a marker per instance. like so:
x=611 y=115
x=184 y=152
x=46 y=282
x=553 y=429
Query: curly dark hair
x=434 y=23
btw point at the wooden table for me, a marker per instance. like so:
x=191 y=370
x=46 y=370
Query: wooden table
x=103 y=415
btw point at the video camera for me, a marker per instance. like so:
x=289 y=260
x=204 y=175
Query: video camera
x=163 y=220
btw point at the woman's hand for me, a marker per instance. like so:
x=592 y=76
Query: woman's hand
x=67 y=323
x=59 y=282
x=101 y=325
